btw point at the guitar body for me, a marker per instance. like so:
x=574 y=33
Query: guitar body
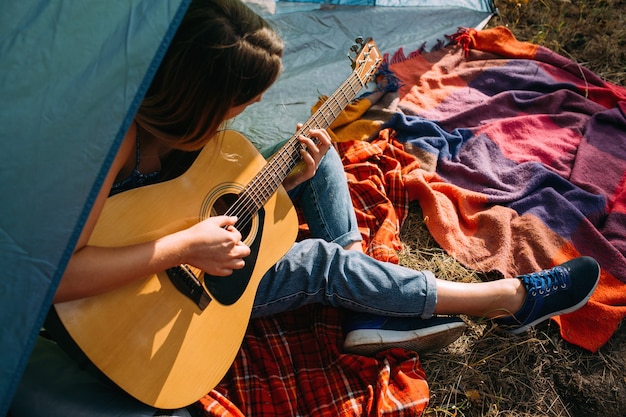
x=150 y=338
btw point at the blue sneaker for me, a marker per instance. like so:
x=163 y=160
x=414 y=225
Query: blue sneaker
x=562 y=289
x=368 y=334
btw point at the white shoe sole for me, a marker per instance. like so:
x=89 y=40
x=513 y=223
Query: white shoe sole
x=369 y=342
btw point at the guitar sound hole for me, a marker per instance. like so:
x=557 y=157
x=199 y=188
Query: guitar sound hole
x=223 y=206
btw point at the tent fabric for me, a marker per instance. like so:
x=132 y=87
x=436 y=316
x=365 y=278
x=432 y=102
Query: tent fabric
x=318 y=40
x=72 y=74
x=272 y=7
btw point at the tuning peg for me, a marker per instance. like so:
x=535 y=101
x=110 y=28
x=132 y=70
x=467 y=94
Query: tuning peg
x=359 y=40
x=353 y=49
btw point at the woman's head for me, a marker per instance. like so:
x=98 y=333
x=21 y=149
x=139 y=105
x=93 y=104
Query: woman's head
x=223 y=55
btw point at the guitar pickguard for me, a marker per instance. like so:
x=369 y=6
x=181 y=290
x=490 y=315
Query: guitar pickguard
x=227 y=290
x=228 y=199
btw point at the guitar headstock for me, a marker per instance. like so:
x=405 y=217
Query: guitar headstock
x=367 y=59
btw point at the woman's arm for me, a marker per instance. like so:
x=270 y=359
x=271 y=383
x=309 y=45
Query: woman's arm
x=213 y=245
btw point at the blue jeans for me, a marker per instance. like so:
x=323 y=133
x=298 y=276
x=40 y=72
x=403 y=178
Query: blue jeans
x=326 y=204
x=316 y=271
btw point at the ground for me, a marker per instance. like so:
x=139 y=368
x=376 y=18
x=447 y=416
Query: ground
x=489 y=373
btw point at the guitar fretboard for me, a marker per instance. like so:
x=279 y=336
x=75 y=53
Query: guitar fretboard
x=267 y=181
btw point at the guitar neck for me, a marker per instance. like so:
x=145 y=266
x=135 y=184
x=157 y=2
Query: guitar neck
x=326 y=114
x=285 y=160
x=267 y=181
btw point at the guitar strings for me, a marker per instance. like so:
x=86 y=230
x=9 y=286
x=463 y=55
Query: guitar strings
x=258 y=191
x=255 y=195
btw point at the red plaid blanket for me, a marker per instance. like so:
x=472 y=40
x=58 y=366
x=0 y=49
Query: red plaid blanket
x=292 y=365
x=376 y=173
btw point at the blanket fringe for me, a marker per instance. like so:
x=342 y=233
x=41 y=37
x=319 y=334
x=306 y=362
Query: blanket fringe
x=386 y=79
x=464 y=38
x=399 y=56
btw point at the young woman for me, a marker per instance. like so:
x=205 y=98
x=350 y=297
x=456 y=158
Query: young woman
x=222 y=59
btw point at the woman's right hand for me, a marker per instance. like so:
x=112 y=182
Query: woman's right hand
x=214 y=245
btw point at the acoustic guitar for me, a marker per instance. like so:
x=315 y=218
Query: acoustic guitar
x=170 y=338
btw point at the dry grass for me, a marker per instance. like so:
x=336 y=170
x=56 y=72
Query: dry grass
x=592 y=33
x=489 y=373
x=485 y=372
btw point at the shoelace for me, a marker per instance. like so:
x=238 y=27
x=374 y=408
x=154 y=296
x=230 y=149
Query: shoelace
x=544 y=282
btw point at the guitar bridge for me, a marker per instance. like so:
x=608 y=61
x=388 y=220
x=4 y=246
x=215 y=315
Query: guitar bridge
x=188 y=284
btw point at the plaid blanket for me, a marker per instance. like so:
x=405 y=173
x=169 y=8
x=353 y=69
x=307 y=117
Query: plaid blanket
x=292 y=365
x=517 y=157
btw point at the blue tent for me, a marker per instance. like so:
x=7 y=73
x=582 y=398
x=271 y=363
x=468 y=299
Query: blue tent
x=72 y=73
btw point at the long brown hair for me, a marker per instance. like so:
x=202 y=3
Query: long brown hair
x=222 y=55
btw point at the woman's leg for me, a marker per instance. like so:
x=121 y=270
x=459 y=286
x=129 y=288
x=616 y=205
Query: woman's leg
x=328 y=210
x=486 y=299
x=315 y=271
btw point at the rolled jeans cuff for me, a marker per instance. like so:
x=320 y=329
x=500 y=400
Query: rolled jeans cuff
x=430 y=301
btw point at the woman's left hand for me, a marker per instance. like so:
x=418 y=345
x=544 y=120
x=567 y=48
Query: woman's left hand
x=316 y=147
